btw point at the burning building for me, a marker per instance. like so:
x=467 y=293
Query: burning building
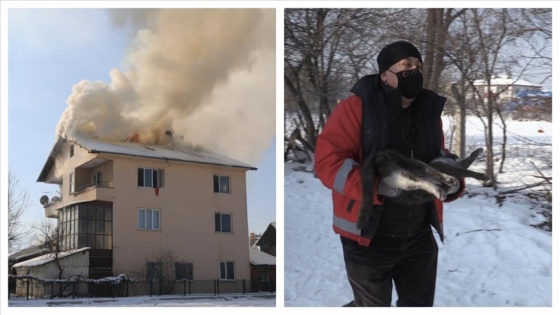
x=128 y=202
x=131 y=187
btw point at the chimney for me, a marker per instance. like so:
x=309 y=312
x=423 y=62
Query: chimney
x=169 y=138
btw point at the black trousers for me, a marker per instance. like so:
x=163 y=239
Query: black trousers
x=411 y=262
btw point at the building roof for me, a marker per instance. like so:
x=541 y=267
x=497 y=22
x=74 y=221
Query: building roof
x=269 y=233
x=182 y=153
x=44 y=259
x=26 y=253
x=256 y=257
x=505 y=80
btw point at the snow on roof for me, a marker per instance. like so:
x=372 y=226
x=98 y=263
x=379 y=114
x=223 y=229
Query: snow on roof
x=506 y=80
x=256 y=257
x=41 y=260
x=182 y=152
x=178 y=153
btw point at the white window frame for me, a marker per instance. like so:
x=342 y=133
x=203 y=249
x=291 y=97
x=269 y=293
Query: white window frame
x=142 y=219
x=225 y=263
x=95 y=176
x=71 y=183
x=221 y=222
x=220 y=177
x=147 y=170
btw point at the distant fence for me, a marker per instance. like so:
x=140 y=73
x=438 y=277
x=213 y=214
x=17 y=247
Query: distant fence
x=33 y=287
x=123 y=286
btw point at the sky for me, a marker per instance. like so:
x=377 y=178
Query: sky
x=62 y=62
x=491 y=256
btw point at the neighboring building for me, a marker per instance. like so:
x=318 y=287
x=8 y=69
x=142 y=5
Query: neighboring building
x=131 y=202
x=73 y=262
x=263 y=271
x=26 y=254
x=23 y=255
x=267 y=242
x=505 y=85
x=254 y=238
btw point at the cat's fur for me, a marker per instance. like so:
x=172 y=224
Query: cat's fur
x=410 y=174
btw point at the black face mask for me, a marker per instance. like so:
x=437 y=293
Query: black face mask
x=410 y=82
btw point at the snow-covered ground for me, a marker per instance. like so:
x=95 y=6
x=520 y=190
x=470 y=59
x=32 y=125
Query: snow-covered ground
x=492 y=256
x=249 y=300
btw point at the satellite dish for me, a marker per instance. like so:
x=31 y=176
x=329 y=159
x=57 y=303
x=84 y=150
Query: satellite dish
x=44 y=199
x=55 y=199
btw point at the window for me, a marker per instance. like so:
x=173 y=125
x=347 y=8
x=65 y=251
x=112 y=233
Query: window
x=221 y=184
x=148 y=177
x=183 y=271
x=262 y=277
x=97 y=178
x=226 y=270
x=153 y=271
x=148 y=219
x=71 y=182
x=223 y=222
x=87 y=224
x=71 y=150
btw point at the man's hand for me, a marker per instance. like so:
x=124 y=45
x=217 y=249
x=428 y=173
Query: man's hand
x=452 y=160
x=453 y=189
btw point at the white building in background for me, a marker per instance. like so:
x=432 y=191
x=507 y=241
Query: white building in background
x=504 y=86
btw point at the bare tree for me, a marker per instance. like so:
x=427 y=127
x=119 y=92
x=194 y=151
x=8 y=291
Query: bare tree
x=484 y=43
x=18 y=203
x=167 y=259
x=51 y=235
x=160 y=268
x=437 y=24
x=312 y=41
x=327 y=50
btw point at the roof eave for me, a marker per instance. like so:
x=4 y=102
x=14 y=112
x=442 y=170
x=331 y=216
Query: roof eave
x=50 y=161
x=249 y=168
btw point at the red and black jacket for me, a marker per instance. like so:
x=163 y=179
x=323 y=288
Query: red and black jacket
x=356 y=126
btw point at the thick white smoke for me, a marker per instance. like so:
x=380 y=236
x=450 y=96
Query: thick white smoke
x=205 y=74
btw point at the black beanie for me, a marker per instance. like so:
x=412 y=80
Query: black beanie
x=394 y=52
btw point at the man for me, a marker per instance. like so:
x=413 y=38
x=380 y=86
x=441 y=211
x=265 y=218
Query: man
x=389 y=110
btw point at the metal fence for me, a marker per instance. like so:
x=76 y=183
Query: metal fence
x=77 y=287
x=187 y=287
x=32 y=287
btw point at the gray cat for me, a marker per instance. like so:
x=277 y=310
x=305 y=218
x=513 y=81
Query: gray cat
x=413 y=176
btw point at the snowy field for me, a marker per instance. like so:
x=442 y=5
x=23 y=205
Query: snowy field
x=249 y=300
x=492 y=256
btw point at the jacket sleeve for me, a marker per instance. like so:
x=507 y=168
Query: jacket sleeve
x=338 y=151
x=446 y=152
